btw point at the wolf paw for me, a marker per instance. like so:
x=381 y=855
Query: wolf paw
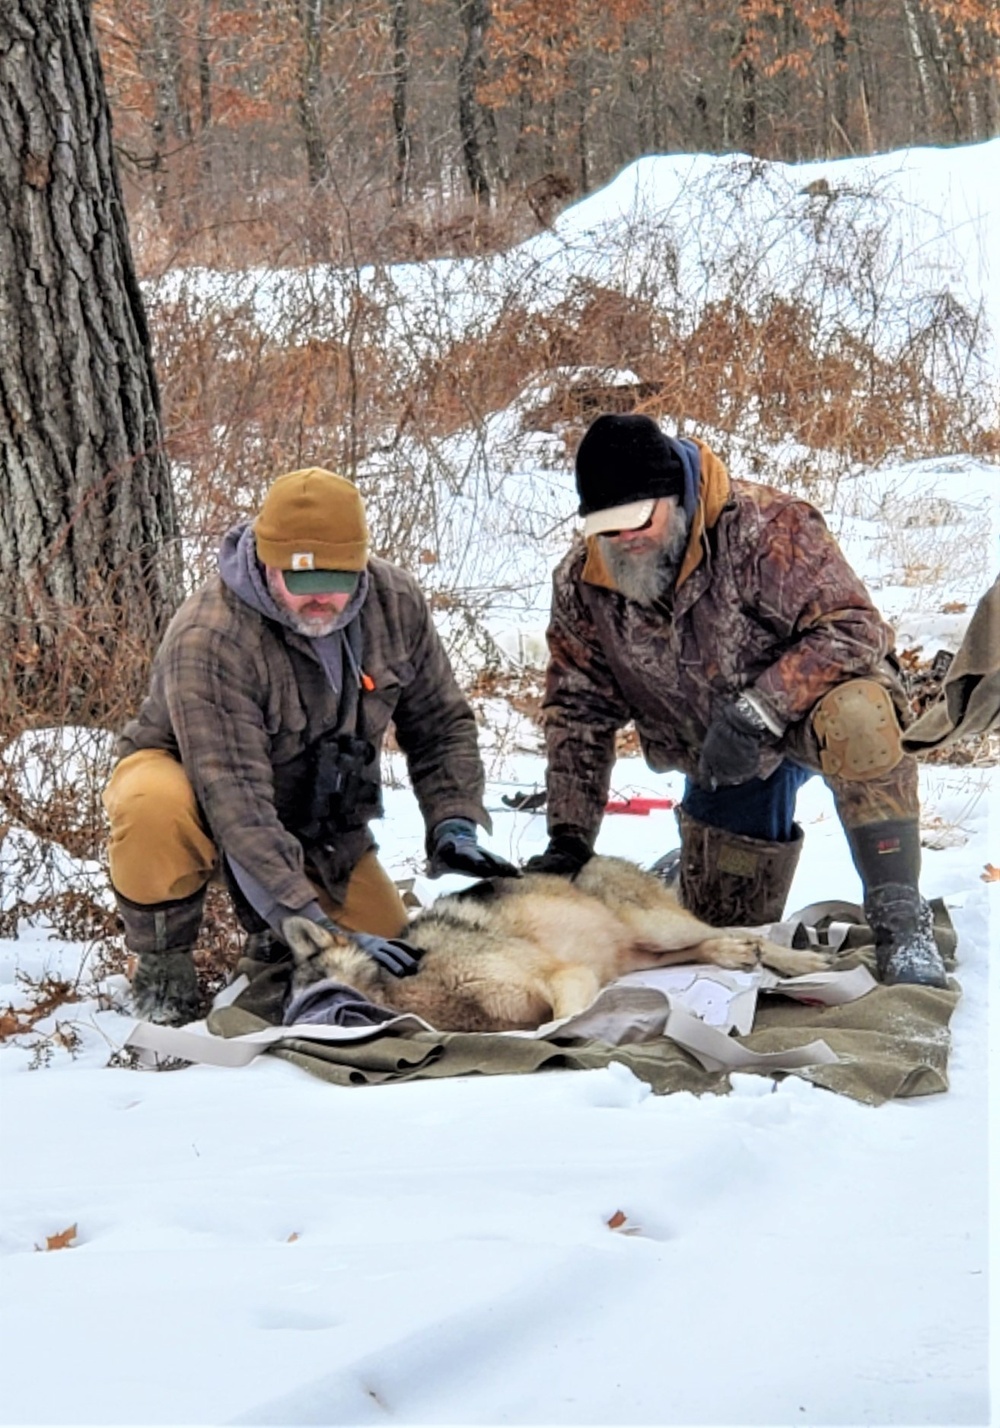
x=793 y=961
x=736 y=952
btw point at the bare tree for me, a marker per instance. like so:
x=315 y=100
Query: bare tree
x=88 y=533
x=475 y=120
x=317 y=160
x=400 y=95
x=171 y=121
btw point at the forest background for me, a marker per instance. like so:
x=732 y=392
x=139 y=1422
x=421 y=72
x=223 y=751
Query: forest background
x=291 y=130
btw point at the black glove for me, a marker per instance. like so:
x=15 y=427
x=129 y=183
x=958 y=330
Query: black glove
x=395 y=954
x=452 y=848
x=733 y=742
x=565 y=856
x=165 y=988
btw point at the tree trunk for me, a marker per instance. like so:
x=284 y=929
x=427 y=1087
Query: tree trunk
x=88 y=537
x=920 y=131
x=317 y=159
x=204 y=92
x=581 y=88
x=473 y=121
x=935 y=55
x=748 y=103
x=171 y=123
x=400 y=88
x=840 y=73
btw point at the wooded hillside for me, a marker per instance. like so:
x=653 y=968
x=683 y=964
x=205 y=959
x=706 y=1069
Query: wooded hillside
x=359 y=129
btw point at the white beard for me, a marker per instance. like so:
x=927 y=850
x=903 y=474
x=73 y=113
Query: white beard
x=648 y=576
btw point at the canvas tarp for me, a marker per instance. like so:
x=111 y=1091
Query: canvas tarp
x=970 y=696
x=891 y=1042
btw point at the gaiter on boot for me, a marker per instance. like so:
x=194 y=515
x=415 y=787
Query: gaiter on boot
x=731 y=880
x=162 y=936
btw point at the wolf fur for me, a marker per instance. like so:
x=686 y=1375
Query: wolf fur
x=511 y=953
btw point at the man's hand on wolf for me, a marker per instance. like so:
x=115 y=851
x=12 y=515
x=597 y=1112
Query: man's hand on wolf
x=395 y=954
x=564 y=857
x=453 y=848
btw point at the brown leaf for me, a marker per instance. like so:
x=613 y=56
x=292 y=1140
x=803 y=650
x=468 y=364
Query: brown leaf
x=990 y=874
x=954 y=607
x=63 y=1240
x=619 y=1222
x=10 y=1024
x=292 y=1237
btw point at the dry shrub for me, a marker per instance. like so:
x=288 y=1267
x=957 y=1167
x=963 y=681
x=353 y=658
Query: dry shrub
x=294 y=227
x=837 y=356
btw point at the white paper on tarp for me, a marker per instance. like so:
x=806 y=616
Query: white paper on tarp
x=717 y=996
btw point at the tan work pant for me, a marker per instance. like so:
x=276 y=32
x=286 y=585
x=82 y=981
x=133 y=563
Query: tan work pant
x=159 y=849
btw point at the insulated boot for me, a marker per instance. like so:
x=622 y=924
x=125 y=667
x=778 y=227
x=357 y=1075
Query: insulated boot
x=731 y=880
x=887 y=857
x=162 y=937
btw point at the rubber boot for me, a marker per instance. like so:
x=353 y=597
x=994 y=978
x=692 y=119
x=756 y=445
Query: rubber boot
x=730 y=880
x=162 y=936
x=887 y=857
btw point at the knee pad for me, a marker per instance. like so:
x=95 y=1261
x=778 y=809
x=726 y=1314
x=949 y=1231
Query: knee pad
x=858 y=732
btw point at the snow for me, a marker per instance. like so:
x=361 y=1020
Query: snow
x=257 y=1246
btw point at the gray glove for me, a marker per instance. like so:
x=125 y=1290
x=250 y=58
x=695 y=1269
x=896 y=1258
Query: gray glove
x=395 y=954
x=165 y=988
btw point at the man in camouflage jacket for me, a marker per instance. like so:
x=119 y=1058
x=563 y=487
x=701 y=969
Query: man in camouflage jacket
x=722 y=619
x=256 y=751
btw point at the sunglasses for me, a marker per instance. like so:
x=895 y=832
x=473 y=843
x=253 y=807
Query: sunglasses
x=631 y=530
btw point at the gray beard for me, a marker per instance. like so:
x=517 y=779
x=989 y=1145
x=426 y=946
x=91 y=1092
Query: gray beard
x=648 y=577
x=313 y=629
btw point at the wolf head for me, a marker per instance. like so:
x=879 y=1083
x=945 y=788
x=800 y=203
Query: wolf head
x=318 y=954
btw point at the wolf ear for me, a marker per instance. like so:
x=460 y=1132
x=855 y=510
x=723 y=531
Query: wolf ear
x=305 y=937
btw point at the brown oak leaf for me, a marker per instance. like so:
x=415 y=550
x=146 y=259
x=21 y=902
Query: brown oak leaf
x=63 y=1240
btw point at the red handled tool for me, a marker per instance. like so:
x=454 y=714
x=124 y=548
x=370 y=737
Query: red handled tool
x=640 y=806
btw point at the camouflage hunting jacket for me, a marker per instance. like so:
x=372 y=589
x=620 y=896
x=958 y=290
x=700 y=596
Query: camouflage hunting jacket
x=237 y=697
x=764 y=599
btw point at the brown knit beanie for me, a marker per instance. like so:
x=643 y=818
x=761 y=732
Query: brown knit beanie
x=312 y=520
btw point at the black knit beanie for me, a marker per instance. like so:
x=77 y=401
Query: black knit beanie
x=623 y=459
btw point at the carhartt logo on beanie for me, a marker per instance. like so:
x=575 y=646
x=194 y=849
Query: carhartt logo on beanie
x=312 y=520
x=624 y=463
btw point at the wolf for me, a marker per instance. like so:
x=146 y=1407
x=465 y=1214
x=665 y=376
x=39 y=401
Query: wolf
x=508 y=954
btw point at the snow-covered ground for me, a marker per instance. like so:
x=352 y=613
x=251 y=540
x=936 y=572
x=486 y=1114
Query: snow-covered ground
x=257 y=1246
